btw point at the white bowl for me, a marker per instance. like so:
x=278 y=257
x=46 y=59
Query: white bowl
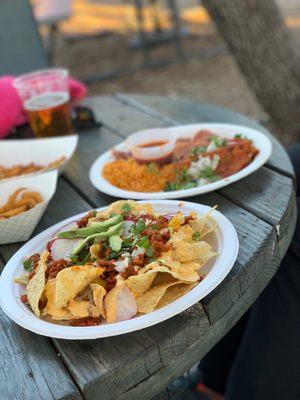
x=224 y=241
x=37 y=151
x=20 y=227
x=151 y=153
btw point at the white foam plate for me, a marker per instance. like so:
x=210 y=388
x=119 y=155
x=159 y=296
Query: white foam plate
x=261 y=142
x=21 y=226
x=38 y=151
x=224 y=241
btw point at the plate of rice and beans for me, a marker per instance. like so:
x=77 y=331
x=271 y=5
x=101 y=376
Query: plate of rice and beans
x=180 y=161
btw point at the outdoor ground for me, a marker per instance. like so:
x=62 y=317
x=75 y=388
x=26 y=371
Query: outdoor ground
x=208 y=74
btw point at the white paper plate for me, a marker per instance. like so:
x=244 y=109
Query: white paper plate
x=261 y=142
x=224 y=241
x=20 y=227
x=37 y=151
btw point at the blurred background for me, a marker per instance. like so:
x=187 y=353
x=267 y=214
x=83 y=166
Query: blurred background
x=101 y=42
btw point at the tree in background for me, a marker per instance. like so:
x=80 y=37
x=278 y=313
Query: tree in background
x=261 y=44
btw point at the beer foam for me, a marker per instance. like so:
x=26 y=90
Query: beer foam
x=46 y=101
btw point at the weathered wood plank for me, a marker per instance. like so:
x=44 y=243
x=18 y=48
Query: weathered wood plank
x=179 y=111
x=91 y=144
x=121 y=118
x=270 y=196
x=30 y=368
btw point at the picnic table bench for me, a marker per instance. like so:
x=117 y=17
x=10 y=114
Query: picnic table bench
x=141 y=364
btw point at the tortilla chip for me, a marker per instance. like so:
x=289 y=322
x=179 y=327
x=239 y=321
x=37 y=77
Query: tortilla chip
x=177 y=221
x=173 y=293
x=70 y=281
x=183 y=274
x=36 y=285
x=197 y=225
x=81 y=308
x=185 y=252
x=136 y=208
x=22 y=279
x=185 y=233
x=51 y=309
x=149 y=300
x=139 y=284
x=98 y=295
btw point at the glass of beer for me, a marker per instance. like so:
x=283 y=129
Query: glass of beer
x=46 y=100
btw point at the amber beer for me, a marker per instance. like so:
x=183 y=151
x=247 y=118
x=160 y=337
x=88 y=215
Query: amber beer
x=49 y=114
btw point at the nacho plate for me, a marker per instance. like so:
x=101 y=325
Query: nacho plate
x=227 y=131
x=223 y=241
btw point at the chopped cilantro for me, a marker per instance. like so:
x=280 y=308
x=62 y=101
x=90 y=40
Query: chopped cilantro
x=209 y=173
x=214 y=178
x=218 y=141
x=138 y=228
x=179 y=185
x=28 y=265
x=152 y=168
x=126 y=208
x=197 y=150
x=241 y=136
x=155 y=227
x=150 y=252
x=94 y=213
x=196 y=236
x=144 y=242
x=74 y=259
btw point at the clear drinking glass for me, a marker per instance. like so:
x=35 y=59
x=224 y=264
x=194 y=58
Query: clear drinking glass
x=46 y=99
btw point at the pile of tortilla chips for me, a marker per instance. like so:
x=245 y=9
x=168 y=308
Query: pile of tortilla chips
x=79 y=291
x=177 y=271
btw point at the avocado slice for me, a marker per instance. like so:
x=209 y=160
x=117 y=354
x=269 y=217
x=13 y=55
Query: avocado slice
x=96 y=227
x=115 y=242
x=113 y=230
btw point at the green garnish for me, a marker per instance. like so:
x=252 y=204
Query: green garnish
x=179 y=186
x=94 y=213
x=138 y=228
x=150 y=252
x=238 y=136
x=126 y=208
x=207 y=172
x=28 y=265
x=74 y=259
x=218 y=141
x=144 y=242
x=196 y=237
x=155 y=227
x=152 y=168
x=197 y=150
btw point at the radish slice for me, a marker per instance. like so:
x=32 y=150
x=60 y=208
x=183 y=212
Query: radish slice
x=67 y=227
x=120 y=304
x=62 y=248
x=126 y=228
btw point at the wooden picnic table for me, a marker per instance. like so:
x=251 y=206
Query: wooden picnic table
x=140 y=365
